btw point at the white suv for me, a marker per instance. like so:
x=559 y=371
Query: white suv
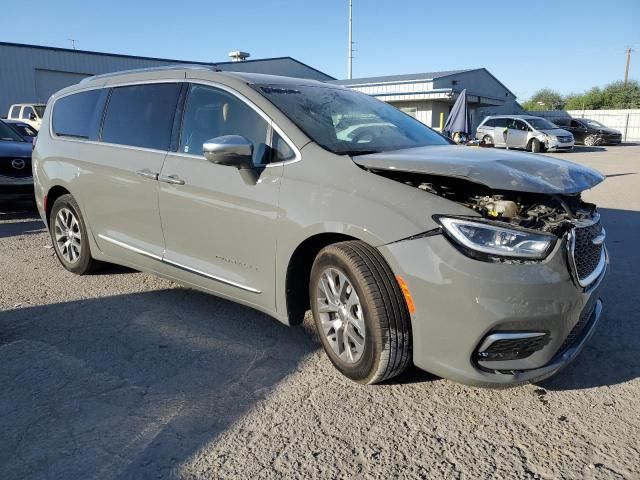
x=30 y=113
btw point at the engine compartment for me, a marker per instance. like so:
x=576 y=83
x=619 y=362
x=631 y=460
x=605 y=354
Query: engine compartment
x=554 y=214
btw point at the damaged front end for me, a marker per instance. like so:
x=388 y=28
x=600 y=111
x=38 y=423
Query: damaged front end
x=517 y=227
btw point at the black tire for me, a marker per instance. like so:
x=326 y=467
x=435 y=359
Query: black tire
x=83 y=264
x=535 y=146
x=487 y=141
x=387 y=342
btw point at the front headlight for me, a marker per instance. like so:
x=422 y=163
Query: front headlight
x=489 y=239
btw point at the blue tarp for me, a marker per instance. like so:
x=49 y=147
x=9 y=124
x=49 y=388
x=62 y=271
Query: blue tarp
x=459 y=120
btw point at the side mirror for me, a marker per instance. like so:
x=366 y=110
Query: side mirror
x=231 y=150
x=32 y=116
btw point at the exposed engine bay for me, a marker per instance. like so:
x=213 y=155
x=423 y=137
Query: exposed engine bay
x=544 y=212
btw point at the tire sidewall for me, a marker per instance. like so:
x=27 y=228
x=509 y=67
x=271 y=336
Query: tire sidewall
x=82 y=265
x=365 y=367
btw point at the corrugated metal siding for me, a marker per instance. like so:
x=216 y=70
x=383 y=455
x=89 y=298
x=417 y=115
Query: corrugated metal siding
x=18 y=65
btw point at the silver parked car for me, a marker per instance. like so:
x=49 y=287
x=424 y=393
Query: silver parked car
x=525 y=132
x=481 y=266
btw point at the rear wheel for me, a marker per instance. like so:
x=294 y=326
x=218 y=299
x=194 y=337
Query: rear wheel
x=69 y=236
x=535 y=146
x=360 y=314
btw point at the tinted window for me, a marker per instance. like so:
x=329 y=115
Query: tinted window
x=15 y=112
x=501 y=122
x=39 y=110
x=8 y=134
x=27 y=112
x=348 y=122
x=211 y=113
x=141 y=115
x=281 y=150
x=490 y=123
x=576 y=124
x=73 y=115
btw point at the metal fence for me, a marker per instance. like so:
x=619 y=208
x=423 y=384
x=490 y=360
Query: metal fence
x=627 y=121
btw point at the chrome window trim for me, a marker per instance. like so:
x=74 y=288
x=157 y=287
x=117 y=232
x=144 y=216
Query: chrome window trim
x=210 y=83
x=172 y=263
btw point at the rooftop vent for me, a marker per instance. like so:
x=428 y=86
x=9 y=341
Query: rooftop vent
x=239 y=56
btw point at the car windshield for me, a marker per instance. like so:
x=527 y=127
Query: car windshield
x=594 y=124
x=39 y=110
x=541 y=124
x=8 y=134
x=347 y=122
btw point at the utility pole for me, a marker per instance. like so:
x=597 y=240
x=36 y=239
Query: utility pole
x=626 y=68
x=73 y=42
x=350 y=57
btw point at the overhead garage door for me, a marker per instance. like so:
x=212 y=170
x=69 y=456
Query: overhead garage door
x=49 y=82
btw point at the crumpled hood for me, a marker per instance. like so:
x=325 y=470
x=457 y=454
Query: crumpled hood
x=497 y=169
x=15 y=149
x=556 y=132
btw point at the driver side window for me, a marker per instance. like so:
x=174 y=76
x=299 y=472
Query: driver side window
x=210 y=113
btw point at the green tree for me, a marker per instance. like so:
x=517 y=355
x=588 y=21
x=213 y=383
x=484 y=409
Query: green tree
x=544 y=99
x=619 y=95
x=590 y=100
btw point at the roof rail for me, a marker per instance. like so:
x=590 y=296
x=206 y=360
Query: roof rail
x=151 y=69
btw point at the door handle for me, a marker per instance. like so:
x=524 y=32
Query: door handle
x=146 y=173
x=171 y=179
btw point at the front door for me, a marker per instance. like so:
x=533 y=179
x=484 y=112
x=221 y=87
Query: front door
x=517 y=134
x=220 y=226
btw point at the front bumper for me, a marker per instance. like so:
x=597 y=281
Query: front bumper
x=460 y=301
x=554 y=145
x=16 y=187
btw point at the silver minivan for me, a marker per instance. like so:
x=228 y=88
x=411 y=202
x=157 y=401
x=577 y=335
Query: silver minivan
x=524 y=132
x=289 y=195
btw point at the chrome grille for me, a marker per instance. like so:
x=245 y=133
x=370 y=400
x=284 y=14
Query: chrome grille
x=587 y=252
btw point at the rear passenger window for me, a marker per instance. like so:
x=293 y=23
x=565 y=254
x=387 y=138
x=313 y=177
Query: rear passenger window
x=502 y=122
x=73 y=115
x=15 y=112
x=490 y=123
x=141 y=115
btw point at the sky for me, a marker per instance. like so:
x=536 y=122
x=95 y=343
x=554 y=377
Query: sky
x=567 y=45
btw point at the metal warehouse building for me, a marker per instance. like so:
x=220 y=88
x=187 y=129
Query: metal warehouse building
x=430 y=96
x=31 y=73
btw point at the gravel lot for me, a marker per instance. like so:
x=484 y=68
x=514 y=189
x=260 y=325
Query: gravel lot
x=124 y=375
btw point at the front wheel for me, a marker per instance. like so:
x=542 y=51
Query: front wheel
x=536 y=145
x=590 y=140
x=487 y=141
x=360 y=313
x=69 y=236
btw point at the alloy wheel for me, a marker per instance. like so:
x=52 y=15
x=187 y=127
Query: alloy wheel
x=68 y=235
x=341 y=315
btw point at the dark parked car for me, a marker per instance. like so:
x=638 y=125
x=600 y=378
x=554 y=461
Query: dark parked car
x=16 y=180
x=588 y=132
x=25 y=130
